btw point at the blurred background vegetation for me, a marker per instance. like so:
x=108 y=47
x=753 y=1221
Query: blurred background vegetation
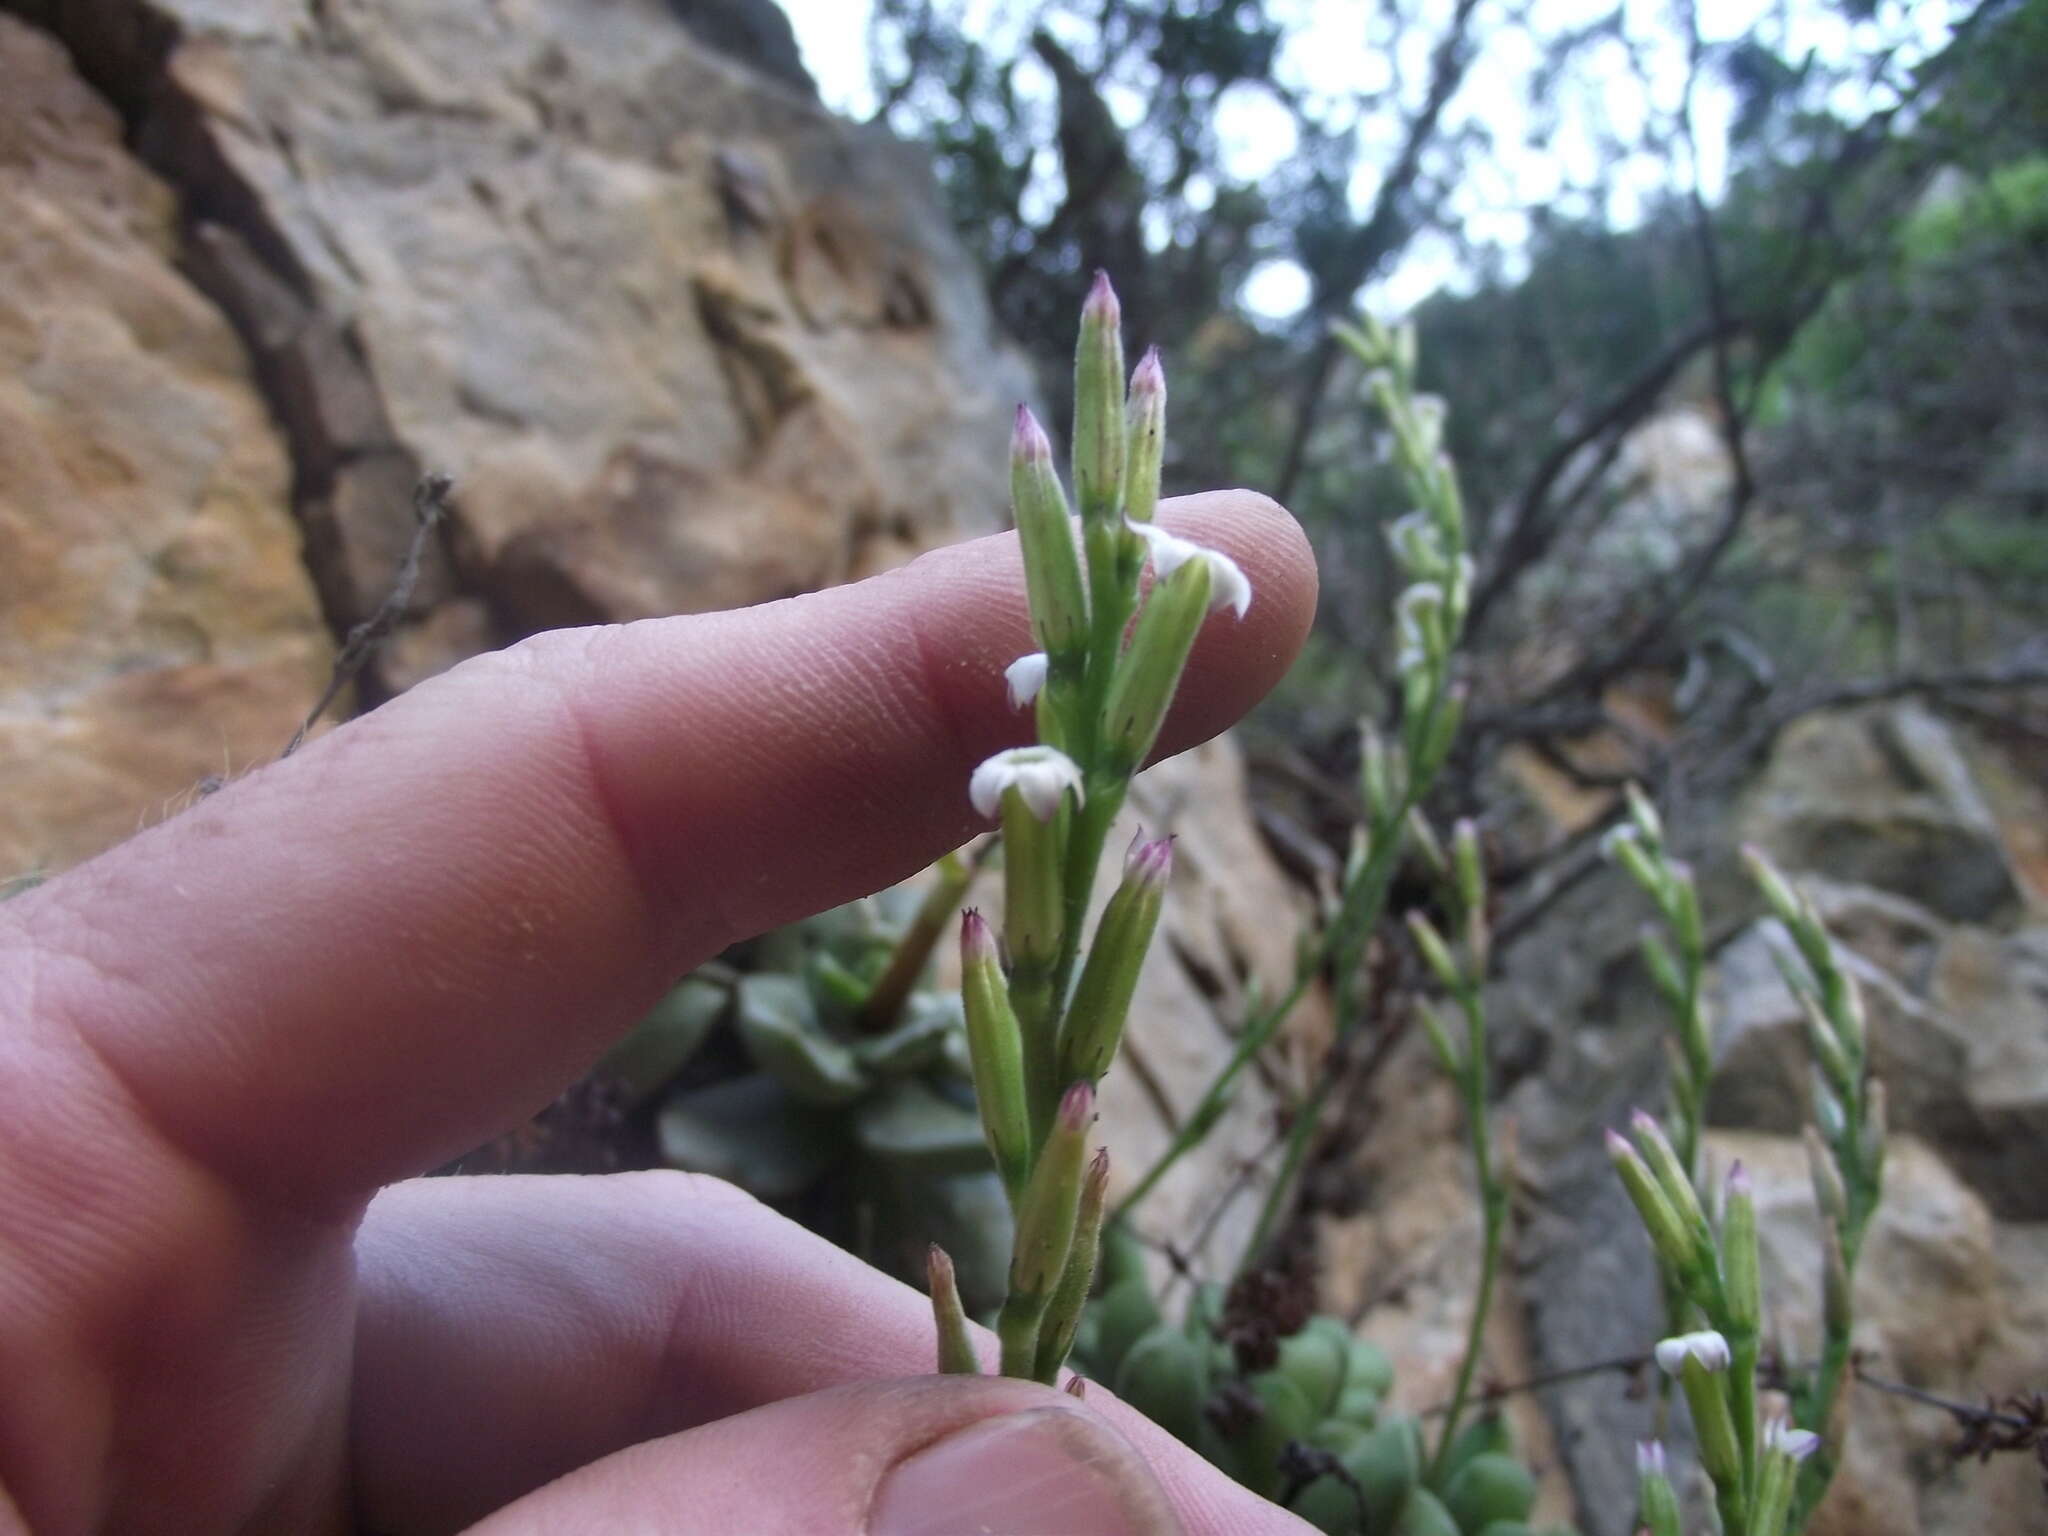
x=1740 y=332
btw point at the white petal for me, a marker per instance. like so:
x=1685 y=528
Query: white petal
x=1041 y=787
x=1711 y=1350
x=1779 y=1435
x=1228 y=585
x=986 y=788
x=1040 y=776
x=1025 y=675
x=1168 y=554
x=1671 y=1354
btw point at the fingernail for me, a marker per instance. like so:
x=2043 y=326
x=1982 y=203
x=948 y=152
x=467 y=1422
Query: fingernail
x=1024 y=1474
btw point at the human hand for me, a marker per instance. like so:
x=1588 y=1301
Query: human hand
x=224 y=1037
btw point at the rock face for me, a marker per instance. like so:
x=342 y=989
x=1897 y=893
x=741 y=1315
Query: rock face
x=156 y=623
x=1885 y=798
x=1879 y=815
x=685 y=340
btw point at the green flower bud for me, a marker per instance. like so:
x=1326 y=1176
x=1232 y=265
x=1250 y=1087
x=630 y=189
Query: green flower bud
x=1146 y=677
x=1837 y=1296
x=1034 y=913
x=1375 y=776
x=1471 y=872
x=1849 y=1017
x=1663 y=968
x=1052 y=559
x=1675 y=1179
x=1685 y=909
x=1439 y=1037
x=1435 y=952
x=957 y=1355
x=1871 y=1144
x=1643 y=812
x=1828 y=1192
x=1144 y=437
x=995 y=1050
x=1712 y=1423
x=1102 y=997
x=1739 y=1266
x=1098 y=405
x=1827 y=1050
x=1070 y=1297
x=1423 y=836
x=1052 y=1198
x=1777 y=894
x=1625 y=846
x=1656 y=1499
x=1436 y=731
x=1668 y=1235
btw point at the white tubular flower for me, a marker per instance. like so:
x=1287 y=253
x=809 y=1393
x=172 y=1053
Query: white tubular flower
x=1612 y=839
x=1229 y=587
x=1040 y=775
x=1779 y=1435
x=1025 y=675
x=1650 y=1458
x=1707 y=1347
x=1415 y=610
x=1417 y=543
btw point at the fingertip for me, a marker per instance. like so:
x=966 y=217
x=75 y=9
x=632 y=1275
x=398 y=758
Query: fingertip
x=1238 y=661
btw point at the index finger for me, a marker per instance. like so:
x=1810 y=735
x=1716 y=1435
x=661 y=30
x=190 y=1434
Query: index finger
x=362 y=961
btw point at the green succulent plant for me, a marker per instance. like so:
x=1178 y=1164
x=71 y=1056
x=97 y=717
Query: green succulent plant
x=848 y=1068
x=1325 y=1393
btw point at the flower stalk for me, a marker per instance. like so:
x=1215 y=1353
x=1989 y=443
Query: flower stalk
x=1429 y=544
x=1046 y=1006
x=1845 y=1157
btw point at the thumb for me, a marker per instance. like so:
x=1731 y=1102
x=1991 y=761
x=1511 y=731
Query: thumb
x=925 y=1456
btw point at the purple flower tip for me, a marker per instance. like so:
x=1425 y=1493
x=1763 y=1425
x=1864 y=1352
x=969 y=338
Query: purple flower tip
x=977 y=942
x=1029 y=441
x=1151 y=862
x=1101 y=304
x=1077 y=1108
x=1617 y=1144
x=1149 y=377
x=1650 y=1458
x=1738 y=1180
x=1641 y=1121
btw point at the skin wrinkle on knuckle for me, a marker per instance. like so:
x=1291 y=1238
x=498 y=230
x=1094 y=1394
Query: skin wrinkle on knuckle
x=62 y=985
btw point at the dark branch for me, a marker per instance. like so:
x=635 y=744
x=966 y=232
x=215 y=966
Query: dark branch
x=429 y=506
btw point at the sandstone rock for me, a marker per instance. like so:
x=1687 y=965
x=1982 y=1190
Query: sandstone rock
x=159 y=628
x=1958 y=1022
x=1994 y=989
x=684 y=339
x=1882 y=797
x=1763 y=1072
x=1406 y=1265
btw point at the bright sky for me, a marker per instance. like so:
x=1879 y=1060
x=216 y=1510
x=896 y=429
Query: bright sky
x=1330 y=52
